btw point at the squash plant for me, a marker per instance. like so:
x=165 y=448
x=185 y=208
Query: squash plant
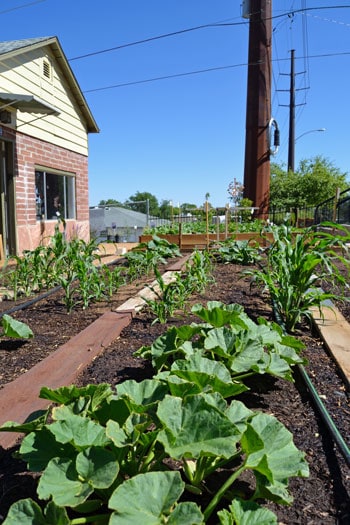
x=14 y=329
x=227 y=335
x=106 y=456
x=143 y=452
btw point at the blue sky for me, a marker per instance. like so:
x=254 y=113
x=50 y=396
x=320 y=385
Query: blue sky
x=183 y=136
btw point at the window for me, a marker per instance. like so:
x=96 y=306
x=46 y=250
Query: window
x=55 y=195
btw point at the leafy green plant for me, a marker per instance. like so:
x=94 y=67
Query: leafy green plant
x=112 y=279
x=15 y=329
x=197 y=274
x=237 y=251
x=296 y=264
x=162 y=247
x=107 y=456
x=168 y=297
x=228 y=336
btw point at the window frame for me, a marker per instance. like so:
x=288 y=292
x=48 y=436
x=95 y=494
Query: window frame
x=65 y=184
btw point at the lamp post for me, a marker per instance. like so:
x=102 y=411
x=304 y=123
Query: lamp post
x=291 y=153
x=310 y=131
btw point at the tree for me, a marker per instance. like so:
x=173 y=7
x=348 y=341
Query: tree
x=143 y=202
x=313 y=182
x=110 y=202
x=165 y=208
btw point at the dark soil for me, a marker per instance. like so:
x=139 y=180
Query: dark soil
x=321 y=499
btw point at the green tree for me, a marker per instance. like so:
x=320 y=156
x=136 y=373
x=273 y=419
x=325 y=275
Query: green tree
x=165 y=208
x=142 y=200
x=110 y=202
x=314 y=181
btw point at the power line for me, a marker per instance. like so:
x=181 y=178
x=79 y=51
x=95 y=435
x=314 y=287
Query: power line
x=196 y=28
x=21 y=6
x=199 y=71
x=153 y=38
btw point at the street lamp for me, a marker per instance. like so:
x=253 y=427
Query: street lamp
x=310 y=131
x=291 y=152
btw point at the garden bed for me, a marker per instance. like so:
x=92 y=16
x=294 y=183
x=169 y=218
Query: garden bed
x=323 y=498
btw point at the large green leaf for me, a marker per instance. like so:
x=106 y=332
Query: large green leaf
x=222 y=339
x=270 y=452
x=186 y=513
x=97 y=466
x=246 y=513
x=141 y=396
x=38 y=448
x=34 y=421
x=219 y=314
x=195 y=427
x=61 y=481
x=16 y=329
x=148 y=499
x=208 y=375
x=78 y=430
x=68 y=394
x=25 y=512
x=178 y=387
x=28 y=512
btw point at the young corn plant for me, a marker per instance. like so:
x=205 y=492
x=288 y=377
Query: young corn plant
x=295 y=267
x=169 y=297
x=197 y=273
x=112 y=279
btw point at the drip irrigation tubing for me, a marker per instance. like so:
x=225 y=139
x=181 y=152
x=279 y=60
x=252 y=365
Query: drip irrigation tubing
x=30 y=302
x=40 y=297
x=321 y=409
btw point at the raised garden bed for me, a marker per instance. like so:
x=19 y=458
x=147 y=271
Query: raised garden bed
x=322 y=498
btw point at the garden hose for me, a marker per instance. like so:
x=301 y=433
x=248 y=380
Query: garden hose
x=324 y=414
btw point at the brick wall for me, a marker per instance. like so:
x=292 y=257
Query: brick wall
x=29 y=153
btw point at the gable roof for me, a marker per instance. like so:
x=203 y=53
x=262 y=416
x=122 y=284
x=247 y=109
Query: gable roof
x=16 y=47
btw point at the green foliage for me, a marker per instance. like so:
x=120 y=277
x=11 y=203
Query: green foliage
x=110 y=202
x=168 y=297
x=73 y=265
x=103 y=455
x=171 y=296
x=15 y=329
x=163 y=248
x=236 y=251
x=146 y=256
x=314 y=181
x=295 y=266
x=139 y=203
x=230 y=337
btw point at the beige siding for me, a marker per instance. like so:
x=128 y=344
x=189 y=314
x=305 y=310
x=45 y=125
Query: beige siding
x=23 y=74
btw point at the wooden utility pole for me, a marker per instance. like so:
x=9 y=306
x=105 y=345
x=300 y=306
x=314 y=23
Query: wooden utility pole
x=258 y=113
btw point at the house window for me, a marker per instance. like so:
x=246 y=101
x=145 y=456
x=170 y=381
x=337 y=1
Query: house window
x=55 y=195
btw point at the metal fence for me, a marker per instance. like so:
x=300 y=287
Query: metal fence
x=335 y=209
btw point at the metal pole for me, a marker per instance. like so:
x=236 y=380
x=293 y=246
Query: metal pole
x=258 y=113
x=291 y=143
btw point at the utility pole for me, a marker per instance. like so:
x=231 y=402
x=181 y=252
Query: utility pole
x=258 y=113
x=291 y=140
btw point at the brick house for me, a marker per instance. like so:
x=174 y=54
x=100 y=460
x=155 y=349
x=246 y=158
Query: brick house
x=44 y=127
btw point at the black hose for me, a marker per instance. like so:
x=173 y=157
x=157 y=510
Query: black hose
x=40 y=297
x=26 y=304
x=324 y=414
